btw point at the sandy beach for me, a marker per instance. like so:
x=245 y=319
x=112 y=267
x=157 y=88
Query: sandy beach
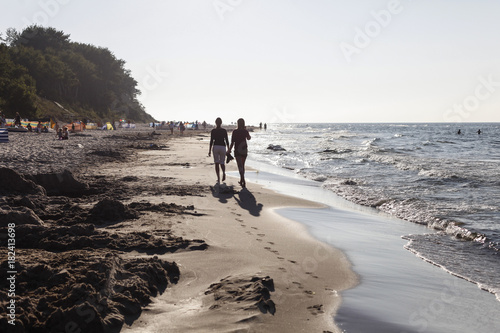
x=136 y=236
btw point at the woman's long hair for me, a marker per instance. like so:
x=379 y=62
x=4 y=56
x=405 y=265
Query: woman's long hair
x=241 y=123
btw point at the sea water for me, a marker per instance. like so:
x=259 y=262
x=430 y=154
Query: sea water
x=426 y=174
x=397 y=291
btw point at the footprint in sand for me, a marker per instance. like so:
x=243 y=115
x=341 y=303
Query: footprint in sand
x=316 y=309
x=261 y=235
x=255 y=228
x=271 y=250
x=259 y=240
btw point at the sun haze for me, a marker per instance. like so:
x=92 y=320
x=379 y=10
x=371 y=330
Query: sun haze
x=293 y=61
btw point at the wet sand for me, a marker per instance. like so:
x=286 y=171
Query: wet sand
x=127 y=231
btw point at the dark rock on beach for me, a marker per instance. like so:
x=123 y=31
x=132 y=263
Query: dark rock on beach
x=14 y=183
x=20 y=216
x=86 y=236
x=90 y=290
x=251 y=293
x=75 y=267
x=61 y=183
x=276 y=148
x=349 y=182
x=109 y=210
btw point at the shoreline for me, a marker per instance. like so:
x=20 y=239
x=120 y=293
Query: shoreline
x=398 y=292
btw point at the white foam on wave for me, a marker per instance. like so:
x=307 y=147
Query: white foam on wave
x=422 y=174
x=422 y=246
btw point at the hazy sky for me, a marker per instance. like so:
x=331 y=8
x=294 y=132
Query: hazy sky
x=293 y=60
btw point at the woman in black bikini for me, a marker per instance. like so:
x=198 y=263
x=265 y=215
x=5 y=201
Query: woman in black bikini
x=239 y=142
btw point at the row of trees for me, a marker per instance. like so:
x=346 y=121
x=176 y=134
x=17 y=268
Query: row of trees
x=42 y=64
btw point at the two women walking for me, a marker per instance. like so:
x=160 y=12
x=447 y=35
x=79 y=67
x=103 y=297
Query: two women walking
x=218 y=143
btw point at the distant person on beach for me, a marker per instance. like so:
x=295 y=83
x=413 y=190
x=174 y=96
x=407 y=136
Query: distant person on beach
x=182 y=128
x=17 y=119
x=265 y=127
x=60 y=134
x=3 y=122
x=218 y=143
x=204 y=124
x=459 y=132
x=479 y=131
x=65 y=134
x=171 y=125
x=239 y=142
x=29 y=127
x=260 y=125
x=39 y=127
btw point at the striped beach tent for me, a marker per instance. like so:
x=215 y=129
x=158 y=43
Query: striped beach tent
x=34 y=124
x=4 y=135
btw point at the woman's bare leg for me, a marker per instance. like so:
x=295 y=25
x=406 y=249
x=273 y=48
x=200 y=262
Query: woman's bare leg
x=217 y=172
x=241 y=168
